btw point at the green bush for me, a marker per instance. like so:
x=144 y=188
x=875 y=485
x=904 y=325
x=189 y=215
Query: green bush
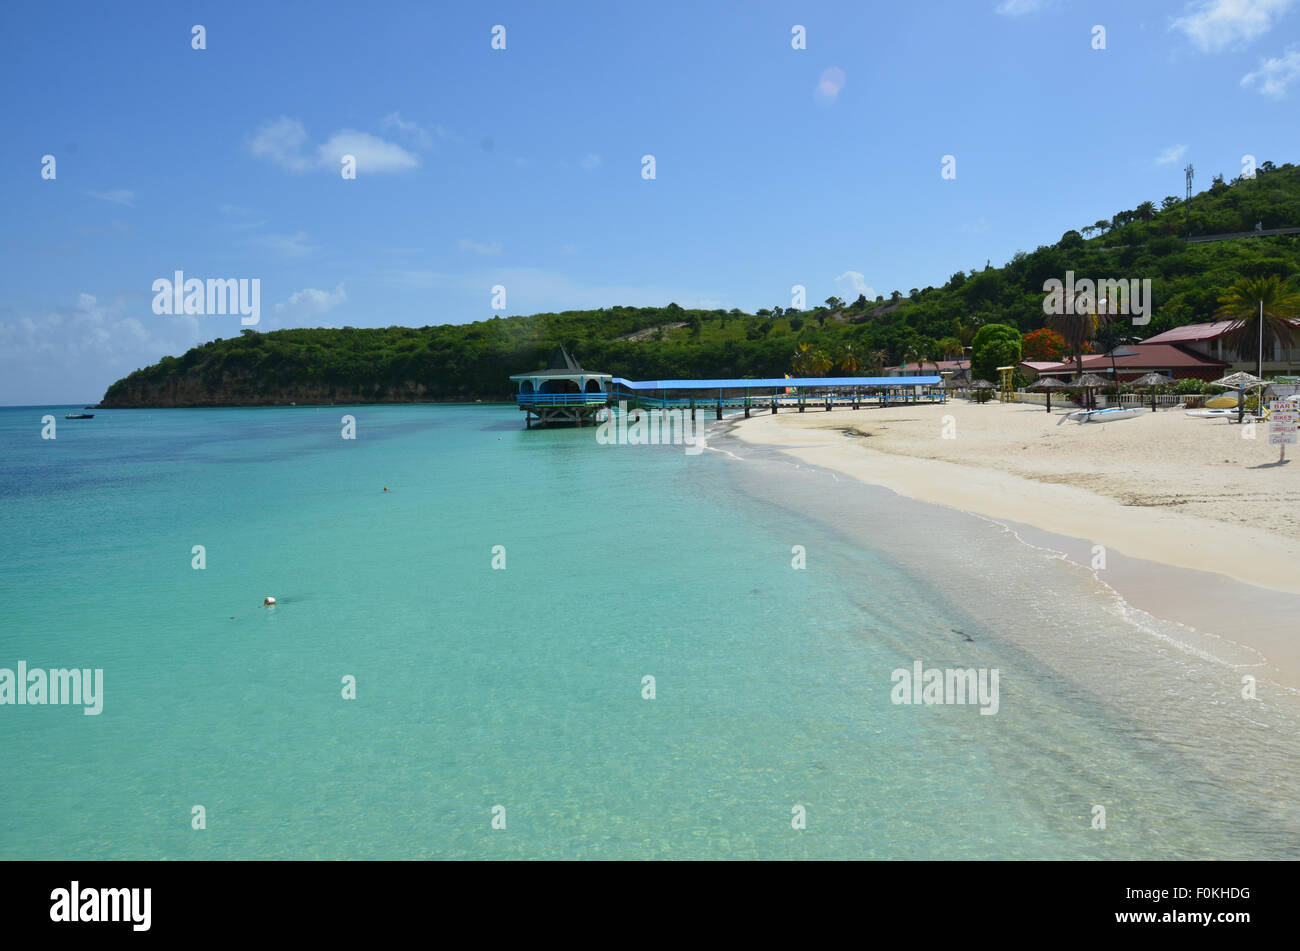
x=994 y=345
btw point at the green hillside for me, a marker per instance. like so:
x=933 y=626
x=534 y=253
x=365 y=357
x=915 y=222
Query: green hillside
x=473 y=361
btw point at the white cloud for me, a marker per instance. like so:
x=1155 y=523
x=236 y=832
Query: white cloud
x=118 y=196
x=285 y=142
x=1212 y=25
x=282 y=141
x=305 y=307
x=1018 y=8
x=373 y=155
x=394 y=120
x=480 y=247
x=1275 y=74
x=73 y=352
x=590 y=161
x=829 y=86
x=1170 y=155
x=290 y=245
x=850 y=284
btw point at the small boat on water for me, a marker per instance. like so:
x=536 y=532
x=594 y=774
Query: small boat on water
x=80 y=416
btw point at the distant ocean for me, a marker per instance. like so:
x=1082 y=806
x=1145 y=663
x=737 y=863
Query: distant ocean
x=520 y=694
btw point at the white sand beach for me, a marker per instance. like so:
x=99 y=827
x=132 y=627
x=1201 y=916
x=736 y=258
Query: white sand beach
x=1166 y=488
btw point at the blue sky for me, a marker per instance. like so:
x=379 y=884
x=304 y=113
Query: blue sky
x=522 y=167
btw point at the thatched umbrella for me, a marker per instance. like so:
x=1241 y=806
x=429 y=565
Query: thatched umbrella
x=1047 y=384
x=1151 y=381
x=1240 y=380
x=981 y=385
x=1089 y=382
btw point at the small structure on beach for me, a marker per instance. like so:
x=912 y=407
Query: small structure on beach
x=1242 y=381
x=562 y=393
x=1149 y=382
x=1047 y=384
x=1088 y=382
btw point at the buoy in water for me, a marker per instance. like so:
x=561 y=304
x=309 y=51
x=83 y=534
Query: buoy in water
x=269 y=603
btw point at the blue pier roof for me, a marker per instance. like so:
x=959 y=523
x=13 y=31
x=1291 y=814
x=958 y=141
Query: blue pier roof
x=778 y=382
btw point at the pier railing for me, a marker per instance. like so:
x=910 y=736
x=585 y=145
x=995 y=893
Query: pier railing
x=563 y=399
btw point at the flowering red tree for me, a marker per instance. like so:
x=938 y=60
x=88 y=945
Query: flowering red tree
x=1043 y=345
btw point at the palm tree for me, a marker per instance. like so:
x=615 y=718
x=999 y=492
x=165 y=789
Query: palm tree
x=1108 y=335
x=917 y=351
x=801 y=362
x=848 y=359
x=1077 y=328
x=1273 y=307
x=950 y=347
x=875 y=361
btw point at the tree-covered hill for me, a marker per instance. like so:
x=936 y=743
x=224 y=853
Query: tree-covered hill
x=473 y=361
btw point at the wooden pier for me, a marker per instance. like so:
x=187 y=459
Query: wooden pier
x=562 y=394
x=565 y=394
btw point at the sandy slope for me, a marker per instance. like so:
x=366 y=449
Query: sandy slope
x=1165 y=487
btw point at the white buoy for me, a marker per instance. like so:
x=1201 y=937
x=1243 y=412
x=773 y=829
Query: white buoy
x=269 y=603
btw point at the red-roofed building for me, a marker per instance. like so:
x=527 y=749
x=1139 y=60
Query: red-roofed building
x=1207 y=341
x=1137 y=360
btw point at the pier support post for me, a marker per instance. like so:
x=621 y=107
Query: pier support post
x=719 y=404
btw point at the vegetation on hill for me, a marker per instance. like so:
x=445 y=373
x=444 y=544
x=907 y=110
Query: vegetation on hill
x=473 y=361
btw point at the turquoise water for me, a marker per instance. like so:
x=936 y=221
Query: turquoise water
x=522 y=687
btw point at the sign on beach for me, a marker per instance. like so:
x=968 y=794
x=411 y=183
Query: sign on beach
x=1282 y=423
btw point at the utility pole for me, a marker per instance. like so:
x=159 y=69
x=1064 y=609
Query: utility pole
x=1259 y=365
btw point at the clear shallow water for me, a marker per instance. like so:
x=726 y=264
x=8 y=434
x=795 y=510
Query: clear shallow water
x=522 y=687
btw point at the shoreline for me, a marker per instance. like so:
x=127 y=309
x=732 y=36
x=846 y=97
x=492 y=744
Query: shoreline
x=1191 y=569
